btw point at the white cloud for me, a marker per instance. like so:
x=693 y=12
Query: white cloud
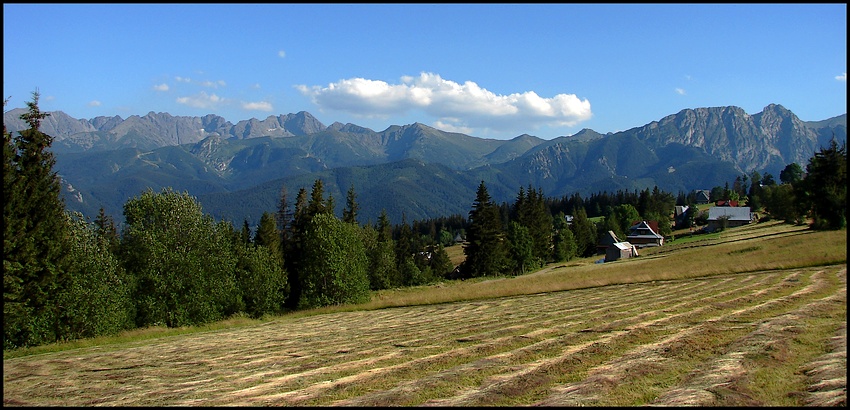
x=256 y=86
x=94 y=103
x=842 y=77
x=281 y=54
x=257 y=106
x=183 y=79
x=680 y=91
x=161 y=87
x=447 y=126
x=214 y=84
x=201 y=100
x=457 y=106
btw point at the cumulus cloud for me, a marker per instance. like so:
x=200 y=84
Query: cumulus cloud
x=842 y=77
x=94 y=103
x=456 y=106
x=182 y=79
x=680 y=91
x=161 y=87
x=201 y=100
x=281 y=54
x=257 y=106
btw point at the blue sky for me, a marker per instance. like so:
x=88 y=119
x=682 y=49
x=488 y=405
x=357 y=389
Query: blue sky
x=490 y=70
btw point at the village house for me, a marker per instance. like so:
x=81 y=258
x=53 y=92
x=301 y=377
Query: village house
x=735 y=216
x=643 y=234
x=702 y=196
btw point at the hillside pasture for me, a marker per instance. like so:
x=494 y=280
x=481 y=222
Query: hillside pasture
x=755 y=317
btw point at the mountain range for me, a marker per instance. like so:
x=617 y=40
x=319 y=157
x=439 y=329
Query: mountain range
x=237 y=170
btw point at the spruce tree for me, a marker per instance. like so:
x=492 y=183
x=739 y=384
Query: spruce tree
x=268 y=235
x=349 y=214
x=824 y=189
x=34 y=237
x=584 y=232
x=486 y=253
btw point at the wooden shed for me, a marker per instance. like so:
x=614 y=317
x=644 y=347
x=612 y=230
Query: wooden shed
x=620 y=250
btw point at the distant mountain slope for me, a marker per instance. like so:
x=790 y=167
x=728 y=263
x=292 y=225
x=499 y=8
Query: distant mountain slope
x=106 y=160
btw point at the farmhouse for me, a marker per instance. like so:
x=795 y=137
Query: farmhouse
x=643 y=234
x=620 y=250
x=736 y=216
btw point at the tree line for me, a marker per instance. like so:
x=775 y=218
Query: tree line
x=169 y=264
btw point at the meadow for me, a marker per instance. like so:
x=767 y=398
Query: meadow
x=753 y=316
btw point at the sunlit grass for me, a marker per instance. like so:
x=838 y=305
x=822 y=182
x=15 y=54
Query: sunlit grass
x=751 y=248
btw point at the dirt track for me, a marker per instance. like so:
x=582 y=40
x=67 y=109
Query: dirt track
x=689 y=342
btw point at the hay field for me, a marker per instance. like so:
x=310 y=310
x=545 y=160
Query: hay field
x=740 y=334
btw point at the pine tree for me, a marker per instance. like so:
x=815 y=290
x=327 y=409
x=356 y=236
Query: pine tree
x=486 y=253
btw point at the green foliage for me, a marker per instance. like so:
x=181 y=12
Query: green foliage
x=183 y=262
x=624 y=215
x=410 y=273
x=96 y=293
x=530 y=211
x=791 y=174
x=334 y=264
x=262 y=280
x=34 y=236
x=440 y=263
x=780 y=202
x=349 y=214
x=380 y=250
x=824 y=189
x=486 y=253
x=584 y=232
x=268 y=235
x=520 y=250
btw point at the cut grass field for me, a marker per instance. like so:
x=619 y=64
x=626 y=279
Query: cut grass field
x=755 y=316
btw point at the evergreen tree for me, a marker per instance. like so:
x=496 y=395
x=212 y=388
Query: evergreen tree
x=295 y=247
x=485 y=249
x=383 y=227
x=267 y=235
x=34 y=235
x=559 y=238
x=584 y=233
x=349 y=214
x=780 y=202
x=791 y=174
x=105 y=227
x=245 y=234
x=284 y=219
x=404 y=247
x=383 y=270
x=824 y=189
x=520 y=250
